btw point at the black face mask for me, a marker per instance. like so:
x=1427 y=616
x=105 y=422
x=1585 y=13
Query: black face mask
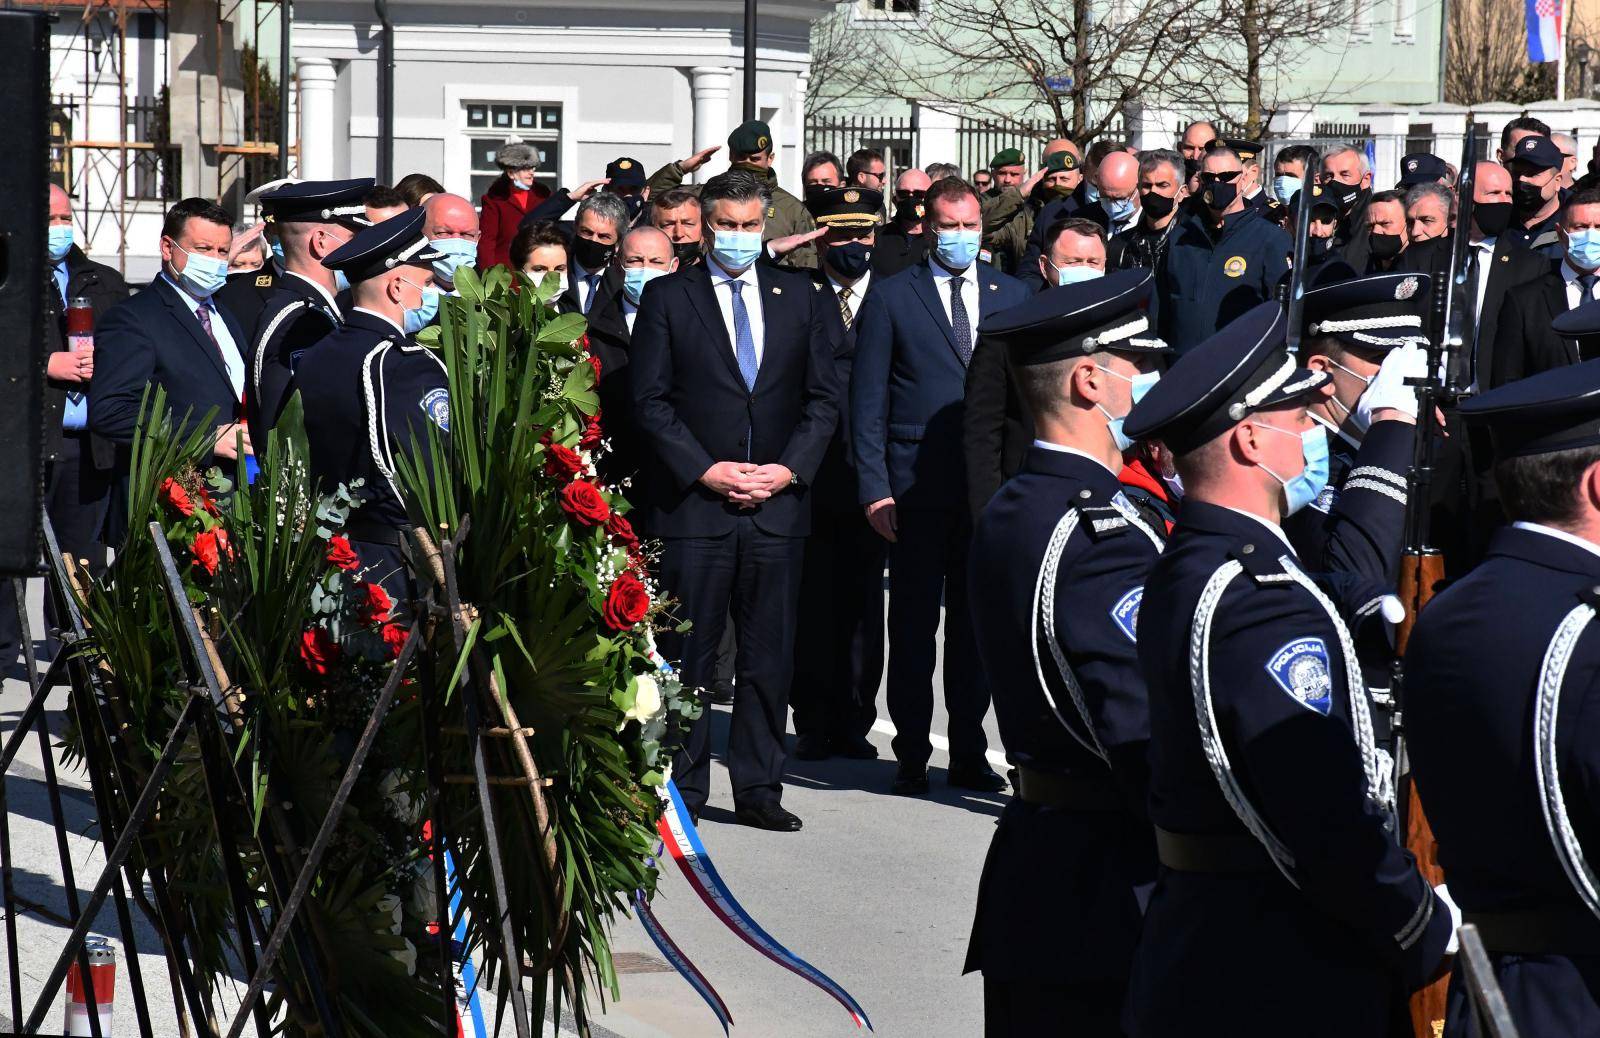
x=1383 y=246
x=1219 y=196
x=851 y=259
x=1492 y=218
x=688 y=252
x=1345 y=196
x=1318 y=247
x=634 y=204
x=1190 y=168
x=909 y=207
x=590 y=254
x=1157 y=206
x=1526 y=197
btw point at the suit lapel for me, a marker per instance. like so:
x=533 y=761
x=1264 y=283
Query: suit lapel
x=988 y=292
x=704 y=299
x=922 y=282
x=184 y=316
x=1556 y=291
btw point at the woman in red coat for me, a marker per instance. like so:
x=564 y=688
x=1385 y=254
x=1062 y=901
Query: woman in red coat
x=507 y=199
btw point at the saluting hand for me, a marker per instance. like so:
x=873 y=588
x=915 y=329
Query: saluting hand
x=789 y=242
x=587 y=188
x=699 y=158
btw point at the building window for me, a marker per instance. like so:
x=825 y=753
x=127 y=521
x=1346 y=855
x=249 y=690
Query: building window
x=1361 y=19
x=490 y=123
x=1405 y=20
x=882 y=9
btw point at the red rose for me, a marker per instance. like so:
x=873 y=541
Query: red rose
x=591 y=433
x=209 y=548
x=562 y=462
x=374 y=603
x=583 y=342
x=340 y=553
x=626 y=603
x=172 y=493
x=394 y=637
x=318 y=651
x=207 y=502
x=619 y=528
x=594 y=362
x=583 y=503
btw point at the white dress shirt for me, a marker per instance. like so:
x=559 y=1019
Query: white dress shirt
x=232 y=359
x=969 y=295
x=750 y=294
x=629 y=313
x=1277 y=530
x=1560 y=535
x=1569 y=274
x=326 y=297
x=1061 y=448
x=580 y=285
x=858 y=291
x=1485 y=250
x=381 y=317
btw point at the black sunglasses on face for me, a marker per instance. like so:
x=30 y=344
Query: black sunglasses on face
x=1225 y=177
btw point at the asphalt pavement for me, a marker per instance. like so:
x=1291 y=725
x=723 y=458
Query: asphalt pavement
x=876 y=892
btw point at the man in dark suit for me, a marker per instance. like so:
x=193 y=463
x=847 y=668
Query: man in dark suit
x=914 y=339
x=736 y=396
x=901 y=241
x=172 y=335
x=1524 y=341
x=838 y=659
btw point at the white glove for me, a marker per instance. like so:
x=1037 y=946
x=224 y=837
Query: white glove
x=1388 y=388
x=1443 y=890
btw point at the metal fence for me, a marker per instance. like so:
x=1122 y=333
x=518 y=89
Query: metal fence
x=895 y=138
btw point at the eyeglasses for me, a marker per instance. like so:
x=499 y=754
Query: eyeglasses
x=875 y=176
x=1225 y=177
x=910 y=196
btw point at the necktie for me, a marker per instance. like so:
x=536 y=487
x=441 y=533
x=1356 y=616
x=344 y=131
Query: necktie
x=744 y=343
x=1586 y=283
x=1464 y=365
x=844 y=308
x=203 y=312
x=958 y=321
x=588 y=297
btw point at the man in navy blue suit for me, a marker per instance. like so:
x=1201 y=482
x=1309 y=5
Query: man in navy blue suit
x=736 y=395
x=914 y=339
x=172 y=335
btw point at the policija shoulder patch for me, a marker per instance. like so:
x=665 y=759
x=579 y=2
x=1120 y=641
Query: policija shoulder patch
x=436 y=405
x=1301 y=669
x=1125 y=614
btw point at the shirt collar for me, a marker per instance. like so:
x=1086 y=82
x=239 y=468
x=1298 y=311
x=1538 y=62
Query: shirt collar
x=381 y=317
x=1277 y=531
x=320 y=290
x=720 y=275
x=189 y=300
x=857 y=289
x=1061 y=448
x=1560 y=535
x=942 y=273
x=1569 y=273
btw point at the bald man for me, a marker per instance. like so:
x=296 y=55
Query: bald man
x=1117 y=178
x=644 y=255
x=1192 y=146
x=452 y=225
x=901 y=243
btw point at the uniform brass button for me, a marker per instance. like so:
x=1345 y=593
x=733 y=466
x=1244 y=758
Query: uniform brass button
x=1248 y=549
x=1085 y=495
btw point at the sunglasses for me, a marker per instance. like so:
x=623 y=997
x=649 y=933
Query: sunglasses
x=910 y=196
x=1225 y=177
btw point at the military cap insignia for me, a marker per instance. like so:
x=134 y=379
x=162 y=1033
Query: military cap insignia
x=263 y=280
x=1234 y=267
x=1528 y=143
x=436 y=405
x=1411 y=167
x=762 y=142
x=1406 y=288
x=1301 y=669
x=625 y=164
x=852 y=197
x=1125 y=614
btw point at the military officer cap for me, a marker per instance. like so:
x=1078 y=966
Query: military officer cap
x=625 y=172
x=1376 y=312
x=255 y=196
x=844 y=206
x=319 y=201
x=397 y=241
x=1422 y=168
x=1244 y=368
x=1248 y=151
x=1538 y=151
x=1106 y=313
x=750 y=138
x=1006 y=157
x=1060 y=162
x=1554 y=410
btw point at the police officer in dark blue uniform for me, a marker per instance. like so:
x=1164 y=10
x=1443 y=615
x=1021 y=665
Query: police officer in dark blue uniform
x=246 y=292
x=1058 y=566
x=369 y=390
x=312 y=218
x=1285 y=904
x=1365 y=333
x=1500 y=681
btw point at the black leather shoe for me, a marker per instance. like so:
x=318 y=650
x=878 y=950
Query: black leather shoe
x=977 y=776
x=720 y=696
x=854 y=747
x=771 y=817
x=813 y=747
x=910 y=782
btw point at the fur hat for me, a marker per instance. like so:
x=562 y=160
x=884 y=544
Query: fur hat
x=516 y=154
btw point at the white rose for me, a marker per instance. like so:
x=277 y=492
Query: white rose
x=646 y=699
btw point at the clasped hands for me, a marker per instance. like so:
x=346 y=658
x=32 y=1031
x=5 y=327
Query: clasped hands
x=745 y=483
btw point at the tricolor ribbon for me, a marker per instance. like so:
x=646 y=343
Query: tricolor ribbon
x=680 y=962
x=468 y=1005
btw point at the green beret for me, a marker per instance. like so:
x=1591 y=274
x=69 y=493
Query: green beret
x=1060 y=162
x=1008 y=157
x=750 y=138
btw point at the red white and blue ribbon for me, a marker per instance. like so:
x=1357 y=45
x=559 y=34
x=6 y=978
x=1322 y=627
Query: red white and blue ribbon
x=683 y=844
x=680 y=962
x=469 y=1007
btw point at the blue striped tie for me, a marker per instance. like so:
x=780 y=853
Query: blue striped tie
x=744 y=343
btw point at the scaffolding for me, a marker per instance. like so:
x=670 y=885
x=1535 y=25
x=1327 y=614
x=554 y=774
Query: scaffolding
x=138 y=168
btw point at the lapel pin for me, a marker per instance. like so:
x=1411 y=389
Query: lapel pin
x=777 y=291
x=993 y=287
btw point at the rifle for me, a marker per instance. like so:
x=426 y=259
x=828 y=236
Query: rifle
x=1299 y=272
x=1422 y=564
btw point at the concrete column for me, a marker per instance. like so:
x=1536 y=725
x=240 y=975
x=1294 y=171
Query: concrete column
x=317 y=79
x=711 y=85
x=790 y=176
x=937 y=136
x=1388 y=125
x=1449 y=124
x=1148 y=127
x=1293 y=120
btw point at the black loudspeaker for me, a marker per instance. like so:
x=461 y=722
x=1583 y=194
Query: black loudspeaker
x=24 y=214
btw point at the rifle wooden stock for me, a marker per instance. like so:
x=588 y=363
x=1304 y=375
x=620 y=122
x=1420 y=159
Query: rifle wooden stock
x=1420 y=575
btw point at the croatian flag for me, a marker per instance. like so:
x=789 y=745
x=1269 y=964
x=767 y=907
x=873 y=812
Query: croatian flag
x=1544 y=30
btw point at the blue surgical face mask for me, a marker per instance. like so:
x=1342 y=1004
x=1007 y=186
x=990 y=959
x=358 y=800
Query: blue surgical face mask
x=341 y=282
x=1313 y=479
x=203 y=275
x=1583 y=248
x=1077 y=274
x=1285 y=188
x=1141 y=384
x=458 y=252
x=277 y=249
x=1119 y=209
x=1090 y=192
x=735 y=250
x=420 y=317
x=957 y=249
x=59 y=242
x=635 y=278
